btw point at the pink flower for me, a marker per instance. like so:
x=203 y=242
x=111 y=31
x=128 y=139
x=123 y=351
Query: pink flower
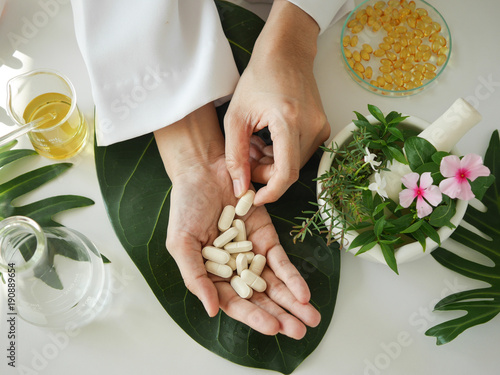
x=426 y=194
x=459 y=172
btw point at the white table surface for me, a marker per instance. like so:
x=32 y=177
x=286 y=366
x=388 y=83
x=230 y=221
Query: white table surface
x=380 y=318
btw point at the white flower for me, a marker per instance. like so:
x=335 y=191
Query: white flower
x=370 y=158
x=379 y=186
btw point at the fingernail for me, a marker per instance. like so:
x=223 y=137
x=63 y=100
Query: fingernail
x=238 y=188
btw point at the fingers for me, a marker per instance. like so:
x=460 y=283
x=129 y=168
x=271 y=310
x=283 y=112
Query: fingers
x=285 y=170
x=237 y=153
x=259 y=313
x=280 y=264
x=187 y=255
x=282 y=295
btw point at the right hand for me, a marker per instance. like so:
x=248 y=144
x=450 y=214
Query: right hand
x=201 y=188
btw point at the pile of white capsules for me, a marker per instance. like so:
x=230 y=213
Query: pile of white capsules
x=231 y=251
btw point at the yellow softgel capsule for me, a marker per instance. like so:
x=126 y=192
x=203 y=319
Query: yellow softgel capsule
x=225 y=237
x=255 y=282
x=238 y=247
x=245 y=203
x=215 y=254
x=226 y=218
x=258 y=264
x=241 y=288
x=222 y=270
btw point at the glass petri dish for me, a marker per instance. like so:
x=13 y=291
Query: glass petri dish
x=395 y=48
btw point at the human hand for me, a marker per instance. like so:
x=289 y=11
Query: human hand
x=201 y=188
x=277 y=90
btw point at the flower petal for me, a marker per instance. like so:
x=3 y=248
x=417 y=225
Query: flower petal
x=449 y=165
x=474 y=165
x=423 y=208
x=426 y=180
x=406 y=197
x=465 y=193
x=451 y=187
x=410 y=180
x=433 y=195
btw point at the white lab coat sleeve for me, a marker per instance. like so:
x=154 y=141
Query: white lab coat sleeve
x=151 y=62
x=325 y=12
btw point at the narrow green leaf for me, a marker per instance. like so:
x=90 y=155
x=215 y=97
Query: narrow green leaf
x=412 y=228
x=377 y=113
x=420 y=237
x=396 y=132
x=397 y=154
x=362 y=239
x=379 y=226
x=30 y=181
x=44 y=210
x=13 y=155
x=430 y=232
x=389 y=256
x=366 y=247
x=380 y=207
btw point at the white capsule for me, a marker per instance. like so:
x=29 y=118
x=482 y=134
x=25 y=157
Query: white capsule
x=240 y=287
x=241 y=263
x=255 y=282
x=238 y=247
x=216 y=255
x=250 y=255
x=232 y=263
x=257 y=265
x=244 y=203
x=242 y=231
x=225 y=237
x=221 y=270
x=226 y=218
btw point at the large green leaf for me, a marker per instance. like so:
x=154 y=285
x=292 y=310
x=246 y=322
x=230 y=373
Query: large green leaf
x=241 y=28
x=136 y=191
x=481 y=304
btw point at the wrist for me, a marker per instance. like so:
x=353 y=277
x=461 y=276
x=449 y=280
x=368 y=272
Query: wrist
x=289 y=30
x=195 y=141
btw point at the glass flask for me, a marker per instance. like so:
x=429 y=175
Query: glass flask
x=56 y=275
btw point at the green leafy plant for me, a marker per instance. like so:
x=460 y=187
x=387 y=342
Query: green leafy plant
x=353 y=195
x=483 y=304
x=41 y=211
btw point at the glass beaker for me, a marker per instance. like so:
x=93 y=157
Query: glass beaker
x=39 y=93
x=56 y=275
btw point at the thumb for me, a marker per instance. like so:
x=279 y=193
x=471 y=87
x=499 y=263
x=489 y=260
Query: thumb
x=238 y=154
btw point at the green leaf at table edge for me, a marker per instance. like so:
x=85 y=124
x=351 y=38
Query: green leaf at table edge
x=41 y=211
x=480 y=305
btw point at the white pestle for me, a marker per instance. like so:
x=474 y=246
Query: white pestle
x=444 y=134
